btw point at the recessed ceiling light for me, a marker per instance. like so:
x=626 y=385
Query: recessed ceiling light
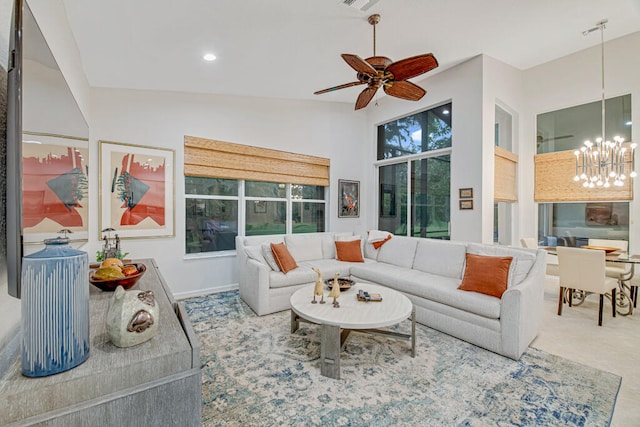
x=628 y=123
x=209 y=57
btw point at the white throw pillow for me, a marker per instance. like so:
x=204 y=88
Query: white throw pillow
x=268 y=257
x=255 y=252
x=378 y=236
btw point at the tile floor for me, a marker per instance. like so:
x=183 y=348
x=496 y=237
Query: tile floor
x=613 y=347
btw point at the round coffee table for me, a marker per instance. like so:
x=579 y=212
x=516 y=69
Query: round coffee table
x=352 y=315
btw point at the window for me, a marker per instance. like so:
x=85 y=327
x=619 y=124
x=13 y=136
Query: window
x=568 y=128
x=414 y=174
x=215 y=207
x=414 y=134
x=567 y=218
x=308 y=208
x=573 y=224
x=211 y=215
x=266 y=208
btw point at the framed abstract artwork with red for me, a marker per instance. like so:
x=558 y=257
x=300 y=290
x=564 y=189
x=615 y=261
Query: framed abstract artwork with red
x=54 y=186
x=137 y=190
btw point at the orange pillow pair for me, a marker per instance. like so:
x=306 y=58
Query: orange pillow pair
x=487 y=275
x=349 y=251
x=283 y=257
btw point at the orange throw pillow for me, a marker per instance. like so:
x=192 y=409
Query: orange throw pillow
x=349 y=251
x=283 y=257
x=487 y=275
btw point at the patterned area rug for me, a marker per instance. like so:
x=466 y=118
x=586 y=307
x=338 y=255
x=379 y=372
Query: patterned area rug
x=255 y=373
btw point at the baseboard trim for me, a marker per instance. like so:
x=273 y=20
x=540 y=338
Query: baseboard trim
x=207 y=291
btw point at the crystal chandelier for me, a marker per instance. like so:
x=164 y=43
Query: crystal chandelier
x=602 y=163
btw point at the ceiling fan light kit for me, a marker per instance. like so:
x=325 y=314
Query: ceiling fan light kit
x=380 y=71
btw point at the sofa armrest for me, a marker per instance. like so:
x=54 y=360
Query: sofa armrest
x=521 y=311
x=253 y=281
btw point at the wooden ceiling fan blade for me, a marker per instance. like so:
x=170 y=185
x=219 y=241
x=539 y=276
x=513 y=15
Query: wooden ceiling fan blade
x=358 y=64
x=365 y=97
x=405 y=90
x=344 y=86
x=413 y=66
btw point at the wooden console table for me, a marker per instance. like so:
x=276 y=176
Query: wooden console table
x=154 y=383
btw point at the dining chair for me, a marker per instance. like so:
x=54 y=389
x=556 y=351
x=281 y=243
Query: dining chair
x=529 y=242
x=584 y=270
x=552 y=260
x=614 y=269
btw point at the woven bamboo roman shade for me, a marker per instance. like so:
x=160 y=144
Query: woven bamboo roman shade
x=218 y=159
x=505 y=184
x=554 y=182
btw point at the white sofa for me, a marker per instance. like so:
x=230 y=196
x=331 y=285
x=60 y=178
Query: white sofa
x=427 y=271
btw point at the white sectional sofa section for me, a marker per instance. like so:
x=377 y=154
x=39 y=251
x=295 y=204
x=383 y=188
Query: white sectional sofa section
x=427 y=271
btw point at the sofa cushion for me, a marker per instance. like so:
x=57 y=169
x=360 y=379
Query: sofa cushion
x=440 y=289
x=523 y=259
x=283 y=257
x=350 y=251
x=304 y=247
x=487 y=275
x=398 y=251
x=440 y=257
x=267 y=253
x=299 y=276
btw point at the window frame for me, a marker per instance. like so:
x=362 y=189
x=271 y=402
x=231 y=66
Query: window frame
x=242 y=200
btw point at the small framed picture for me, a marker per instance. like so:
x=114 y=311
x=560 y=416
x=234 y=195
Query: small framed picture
x=349 y=199
x=466 y=204
x=466 y=193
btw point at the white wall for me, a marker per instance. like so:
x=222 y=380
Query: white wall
x=574 y=80
x=162 y=119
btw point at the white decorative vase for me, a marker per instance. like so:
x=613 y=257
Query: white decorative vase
x=132 y=317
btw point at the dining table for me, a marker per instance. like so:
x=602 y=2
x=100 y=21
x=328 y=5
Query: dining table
x=627 y=298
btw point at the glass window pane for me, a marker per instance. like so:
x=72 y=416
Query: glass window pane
x=265 y=189
x=265 y=217
x=210 y=186
x=567 y=129
x=313 y=192
x=211 y=225
x=308 y=217
x=393 y=199
x=573 y=224
x=417 y=133
x=430 y=194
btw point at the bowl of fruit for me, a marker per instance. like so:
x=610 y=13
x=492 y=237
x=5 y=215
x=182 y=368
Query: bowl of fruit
x=112 y=273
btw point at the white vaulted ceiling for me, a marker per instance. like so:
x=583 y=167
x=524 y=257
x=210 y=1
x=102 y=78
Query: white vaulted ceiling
x=291 y=48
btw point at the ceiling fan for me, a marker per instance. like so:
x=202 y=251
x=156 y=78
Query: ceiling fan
x=379 y=71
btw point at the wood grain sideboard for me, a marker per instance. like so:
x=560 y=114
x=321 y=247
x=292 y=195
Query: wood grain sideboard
x=154 y=383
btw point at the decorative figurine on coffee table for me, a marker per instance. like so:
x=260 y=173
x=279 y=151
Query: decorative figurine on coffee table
x=317 y=290
x=335 y=291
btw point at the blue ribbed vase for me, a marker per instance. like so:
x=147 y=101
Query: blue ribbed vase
x=55 y=309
